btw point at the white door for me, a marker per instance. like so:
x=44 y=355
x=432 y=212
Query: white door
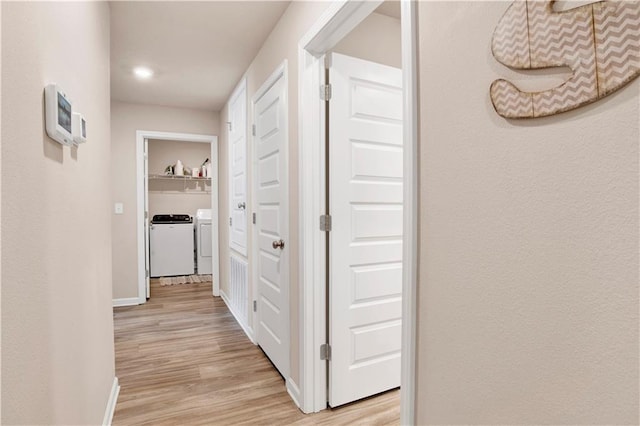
x=147 y=219
x=271 y=229
x=237 y=127
x=365 y=202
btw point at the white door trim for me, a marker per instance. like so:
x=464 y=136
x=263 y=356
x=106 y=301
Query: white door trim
x=280 y=72
x=141 y=135
x=337 y=21
x=409 y=29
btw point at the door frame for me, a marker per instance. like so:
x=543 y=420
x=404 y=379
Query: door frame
x=141 y=194
x=280 y=72
x=335 y=23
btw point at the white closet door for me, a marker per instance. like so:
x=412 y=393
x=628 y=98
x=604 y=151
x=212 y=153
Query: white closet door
x=272 y=247
x=365 y=201
x=238 y=169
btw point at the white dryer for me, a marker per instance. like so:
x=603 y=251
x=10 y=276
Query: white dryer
x=204 y=243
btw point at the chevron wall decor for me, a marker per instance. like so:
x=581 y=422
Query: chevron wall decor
x=600 y=42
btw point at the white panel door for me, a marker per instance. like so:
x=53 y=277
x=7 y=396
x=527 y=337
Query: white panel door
x=365 y=201
x=238 y=169
x=271 y=194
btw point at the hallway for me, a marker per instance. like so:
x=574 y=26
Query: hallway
x=182 y=359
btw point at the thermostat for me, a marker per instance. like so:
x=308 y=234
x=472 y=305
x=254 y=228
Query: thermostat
x=58 y=114
x=79 y=127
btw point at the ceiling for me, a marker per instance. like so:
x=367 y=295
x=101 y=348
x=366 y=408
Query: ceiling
x=198 y=50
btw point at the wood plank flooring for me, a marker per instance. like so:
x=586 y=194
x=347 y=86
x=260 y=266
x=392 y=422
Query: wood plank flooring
x=182 y=359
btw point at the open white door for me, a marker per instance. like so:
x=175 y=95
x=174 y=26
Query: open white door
x=365 y=201
x=271 y=229
x=147 y=264
x=237 y=127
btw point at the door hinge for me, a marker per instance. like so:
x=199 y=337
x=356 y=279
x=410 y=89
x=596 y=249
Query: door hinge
x=230 y=221
x=253 y=129
x=325 y=352
x=254 y=218
x=325 y=92
x=230 y=124
x=146 y=273
x=255 y=306
x=325 y=222
x=146 y=215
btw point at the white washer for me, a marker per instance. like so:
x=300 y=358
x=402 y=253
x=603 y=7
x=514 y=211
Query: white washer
x=171 y=245
x=204 y=244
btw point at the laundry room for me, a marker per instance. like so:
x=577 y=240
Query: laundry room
x=173 y=187
x=179 y=208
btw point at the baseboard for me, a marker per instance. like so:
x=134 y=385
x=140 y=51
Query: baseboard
x=244 y=326
x=129 y=301
x=111 y=404
x=294 y=392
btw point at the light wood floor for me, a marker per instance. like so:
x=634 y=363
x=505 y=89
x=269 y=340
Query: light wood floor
x=182 y=359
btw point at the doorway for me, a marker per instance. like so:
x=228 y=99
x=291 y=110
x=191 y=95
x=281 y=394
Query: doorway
x=144 y=216
x=338 y=21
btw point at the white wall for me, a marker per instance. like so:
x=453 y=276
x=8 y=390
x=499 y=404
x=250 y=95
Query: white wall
x=177 y=196
x=126 y=119
x=57 y=324
x=376 y=39
x=528 y=285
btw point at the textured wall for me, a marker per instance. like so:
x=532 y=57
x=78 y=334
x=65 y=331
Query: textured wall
x=126 y=119
x=57 y=324
x=375 y=39
x=528 y=292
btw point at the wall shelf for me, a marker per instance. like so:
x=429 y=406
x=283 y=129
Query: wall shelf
x=175 y=177
x=170 y=184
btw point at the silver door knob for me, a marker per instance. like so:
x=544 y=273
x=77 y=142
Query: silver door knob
x=278 y=244
x=241 y=205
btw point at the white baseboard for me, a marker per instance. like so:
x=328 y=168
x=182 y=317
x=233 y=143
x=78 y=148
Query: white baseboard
x=129 y=301
x=247 y=330
x=111 y=404
x=294 y=392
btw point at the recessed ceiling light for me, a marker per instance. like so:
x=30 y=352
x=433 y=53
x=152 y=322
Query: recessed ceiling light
x=143 y=73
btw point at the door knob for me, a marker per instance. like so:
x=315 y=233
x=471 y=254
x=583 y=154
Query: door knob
x=278 y=244
x=241 y=205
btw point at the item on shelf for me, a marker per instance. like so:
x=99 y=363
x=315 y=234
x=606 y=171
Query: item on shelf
x=168 y=170
x=179 y=168
x=195 y=172
x=204 y=168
